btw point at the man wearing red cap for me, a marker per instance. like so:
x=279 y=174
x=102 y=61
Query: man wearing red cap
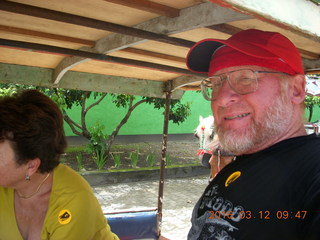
x=271 y=190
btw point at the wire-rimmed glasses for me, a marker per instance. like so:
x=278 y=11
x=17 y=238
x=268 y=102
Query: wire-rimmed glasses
x=243 y=81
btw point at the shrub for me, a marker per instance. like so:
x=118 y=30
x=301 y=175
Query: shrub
x=79 y=161
x=168 y=160
x=134 y=156
x=150 y=159
x=117 y=159
x=97 y=145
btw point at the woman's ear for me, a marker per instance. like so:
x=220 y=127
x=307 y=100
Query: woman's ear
x=298 y=84
x=33 y=166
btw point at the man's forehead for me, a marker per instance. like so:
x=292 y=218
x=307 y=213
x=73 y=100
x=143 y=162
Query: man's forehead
x=235 y=68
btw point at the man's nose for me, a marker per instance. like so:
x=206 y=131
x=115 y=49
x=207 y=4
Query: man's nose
x=226 y=95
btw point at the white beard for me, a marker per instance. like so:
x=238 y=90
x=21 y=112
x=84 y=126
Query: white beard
x=276 y=121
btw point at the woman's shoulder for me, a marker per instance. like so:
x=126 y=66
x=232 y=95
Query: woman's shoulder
x=67 y=180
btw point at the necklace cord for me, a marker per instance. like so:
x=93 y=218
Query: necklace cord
x=38 y=188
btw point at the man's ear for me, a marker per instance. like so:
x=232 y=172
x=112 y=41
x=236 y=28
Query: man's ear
x=298 y=88
x=33 y=166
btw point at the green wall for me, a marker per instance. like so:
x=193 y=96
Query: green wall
x=144 y=119
x=147 y=120
x=315 y=115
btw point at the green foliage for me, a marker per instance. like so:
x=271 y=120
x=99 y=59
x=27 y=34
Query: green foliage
x=150 y=159
x=134 y=157
x=97 y=144
x=168 y=160
x=100 y=158
x=79 y=159
x=63 y=160
x=67 y=98
x=179 y=112
x=311 y=102
x=122 y=100
x=98 y=138
x=9 y=89
x=117 y=159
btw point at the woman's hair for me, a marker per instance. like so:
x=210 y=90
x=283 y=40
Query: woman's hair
x=33 y=124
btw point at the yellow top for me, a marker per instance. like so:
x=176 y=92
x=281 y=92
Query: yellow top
x=74 y=212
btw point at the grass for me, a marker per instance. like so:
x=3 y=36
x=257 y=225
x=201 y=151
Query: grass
x=117 y=159
x=79 y=161
x=150 y=159
x=147 y=168
x=130 y=155
x=100 y=159
x=134 y=156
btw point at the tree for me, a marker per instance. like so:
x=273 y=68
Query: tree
x=311 y=102
x=66 y=99
x=178 y=114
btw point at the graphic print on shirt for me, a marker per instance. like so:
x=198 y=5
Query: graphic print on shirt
x=217 y=221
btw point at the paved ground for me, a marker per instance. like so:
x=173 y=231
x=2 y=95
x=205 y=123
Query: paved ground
x=180 y=195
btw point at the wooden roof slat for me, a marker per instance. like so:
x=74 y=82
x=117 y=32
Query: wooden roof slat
x=154 y=54
x=225 y=28
x=46 y=35
x=88 y=22
x=188 y=19
x=183 y=81
x=91 y=55
x=130 y=40
x=149 y=6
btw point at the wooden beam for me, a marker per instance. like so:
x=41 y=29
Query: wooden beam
x=191 y=88
x=311 y=65
x=184 y=81
x=67 y=64
x=83 y=81
x=43 y=35
x=225 y=28
x=309 y=54
x=299 y=16
x=154 y=54
x=201 y=15
x=149 y=6
x=88 y=22
x=96 y=56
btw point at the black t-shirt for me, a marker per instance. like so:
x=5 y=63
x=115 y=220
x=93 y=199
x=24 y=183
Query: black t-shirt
x=273 y=194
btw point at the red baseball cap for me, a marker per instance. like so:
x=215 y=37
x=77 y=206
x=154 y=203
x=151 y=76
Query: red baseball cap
x=256 y=44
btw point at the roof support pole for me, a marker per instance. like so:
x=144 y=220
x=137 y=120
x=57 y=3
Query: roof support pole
x=168 y=93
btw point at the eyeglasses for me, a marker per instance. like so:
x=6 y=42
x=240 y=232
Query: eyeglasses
x=243 y=81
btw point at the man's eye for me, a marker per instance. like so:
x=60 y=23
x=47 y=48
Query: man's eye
x=245 y=81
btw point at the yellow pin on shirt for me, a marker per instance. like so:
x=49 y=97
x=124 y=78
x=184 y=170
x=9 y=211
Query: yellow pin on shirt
x=234 y=176
x=64 y=216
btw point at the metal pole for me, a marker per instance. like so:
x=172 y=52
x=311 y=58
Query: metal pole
x=163 y=158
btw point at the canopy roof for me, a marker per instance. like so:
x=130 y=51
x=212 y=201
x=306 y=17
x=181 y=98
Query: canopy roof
x=135 y=47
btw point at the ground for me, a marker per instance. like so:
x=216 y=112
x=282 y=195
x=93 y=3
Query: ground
x=178 y=153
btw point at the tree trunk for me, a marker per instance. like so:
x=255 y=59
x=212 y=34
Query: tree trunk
x=83 y=131
x=123 y=121
x=310 y=113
